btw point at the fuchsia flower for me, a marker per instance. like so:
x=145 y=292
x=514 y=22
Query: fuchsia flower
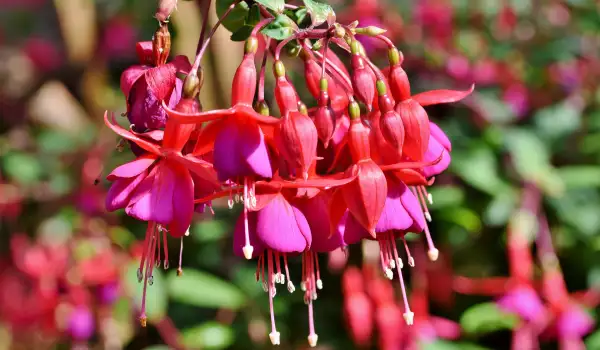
x=145 y=86
x=438 y=144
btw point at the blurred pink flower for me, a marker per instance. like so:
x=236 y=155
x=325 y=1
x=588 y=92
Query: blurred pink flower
x=43 y=53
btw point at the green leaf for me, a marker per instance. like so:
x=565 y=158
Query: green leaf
x=580 y=176
x=593 y=341
x=242 y=34
x=478 y=168
x=210 y=335
x=558 y=121
x=439 y=344
x=22 y=168
x=531 y=159
x=487 y=318
x=205 y=290
x=281 y=28
x=446 y=196
x=156 y=294
x=300 y=15
x=210 y=230
x=275 y=5
x=319 y=12
x=237 y=17
x=500 y=208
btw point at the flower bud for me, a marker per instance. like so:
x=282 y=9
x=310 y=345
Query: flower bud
x=358 y=140
x=297 y=138
x=416 y=129
x=165 y=9
x=161 y=44
x=370 y=31
x=285 y=93
x=362 y=78
x=192 y=84
x=399 y=84
x=262 y=108
x=244 y=80
x=324 y=117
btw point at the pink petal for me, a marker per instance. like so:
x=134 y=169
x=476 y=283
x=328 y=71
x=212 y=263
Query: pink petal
x=156 y=135
x=433 y=151
x=445 y=328
x=183 y=203
x=153 y=198
x=130 y=76
x=145 y=52
x=434 y=97
x=133 y=168
x=322 y=241
x=181 y=64
x=440 y=136
x=199 y=167
x=411 y=204
x=282 y=227
x=146 y=145
x=120 y=191
x=161 y=81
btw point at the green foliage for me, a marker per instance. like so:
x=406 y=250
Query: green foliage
x=202 y=289
x=319 y=12
x=209 y=335
x=486 y=318
x=281 y=28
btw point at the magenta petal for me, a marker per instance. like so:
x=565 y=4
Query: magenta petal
x=145 y=108
x=574 y=322
x=524 y=302
x=181 y=64
x=241 y=152
x=254 y=151
x=153 y=198
x=315 y=210
x=161 y=80
x=239 y=238
x=183 y=203
x=440 y=136
x=131 y=169
x=433 y=152
x=444 y=328
x=282 y=227
x=130 y=76
x=353 y=231
x=412 y=206
x=120 y=191
x=176 y=94
x=394 y=215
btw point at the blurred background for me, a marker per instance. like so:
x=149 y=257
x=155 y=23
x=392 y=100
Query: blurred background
x=532 y=128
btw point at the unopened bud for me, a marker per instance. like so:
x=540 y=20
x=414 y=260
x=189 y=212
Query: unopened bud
x=262 y=107
x=161 y=44
x=165 y=9
x=251 y=45
x=395 y=57
x=354 y=110
x=302 y=108
x=339 y=32
x=279 y=69
x=192 y=84
x=370 y=31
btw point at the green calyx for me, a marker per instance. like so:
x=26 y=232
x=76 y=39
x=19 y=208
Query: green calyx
x=394 y=56
x=370 y=31
x=381 y=88
x=262 y=107
x=302 y=108
x=278 y=69
x=354 y=110
x=339 y=32
x=192 y=84
x=323 y=84
x=355 y=47
x=251 y=45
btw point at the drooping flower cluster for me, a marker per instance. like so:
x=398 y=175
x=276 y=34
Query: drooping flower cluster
x=311 y=180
